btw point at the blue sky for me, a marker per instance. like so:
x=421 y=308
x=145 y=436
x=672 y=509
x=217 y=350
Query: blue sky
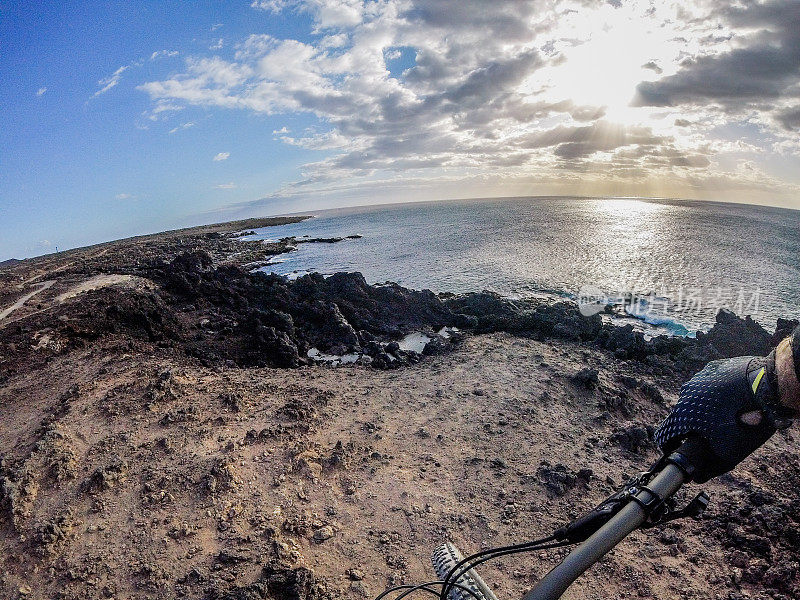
x=78 y=168
x=122 y=118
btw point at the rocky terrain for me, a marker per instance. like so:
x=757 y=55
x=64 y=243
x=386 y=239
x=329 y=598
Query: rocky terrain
x=164 y=434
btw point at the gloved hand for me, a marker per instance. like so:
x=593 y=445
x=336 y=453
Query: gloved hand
x=732 y=405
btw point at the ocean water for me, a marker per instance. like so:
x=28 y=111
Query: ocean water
x=670 y=263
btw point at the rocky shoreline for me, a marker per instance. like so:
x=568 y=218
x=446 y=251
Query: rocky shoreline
x=201 y=294
x=163 y=403
x=224 y=314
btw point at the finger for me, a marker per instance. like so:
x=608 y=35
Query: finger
x=752 y=418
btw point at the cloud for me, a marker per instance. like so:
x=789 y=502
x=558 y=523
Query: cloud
x=653 y=66
x=163 y=53
x=186 y=125
x=216 y=26
x=225 y=186
x=41 y=91
x=273 y=6
x=789 y=118
x=221 y=156
x=208 y=81
x=110 y=81
x=161 y=110
x=490 y=90
x=393 y=54
x=763 y=66
x=123 y=197
x=327 y=14
x=217 y=45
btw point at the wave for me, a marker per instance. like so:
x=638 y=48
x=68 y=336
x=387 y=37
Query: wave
x=642 y=309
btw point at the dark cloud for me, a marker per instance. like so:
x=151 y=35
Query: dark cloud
x=695 y=161
x=653 y=66
x=632 y=146
x=765 y=68
x=494 y=78
x=585 y=140
x=712 y=39
x=509 y=20
x=789 y=119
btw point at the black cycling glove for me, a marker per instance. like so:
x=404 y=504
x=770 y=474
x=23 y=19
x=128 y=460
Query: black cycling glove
x=711 y=404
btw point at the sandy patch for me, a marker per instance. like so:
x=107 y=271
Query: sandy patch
x=101 y=281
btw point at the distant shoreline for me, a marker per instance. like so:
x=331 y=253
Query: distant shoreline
x=252 y=223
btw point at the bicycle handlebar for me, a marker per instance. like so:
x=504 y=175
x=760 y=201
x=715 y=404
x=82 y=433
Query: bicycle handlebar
x=631 y=517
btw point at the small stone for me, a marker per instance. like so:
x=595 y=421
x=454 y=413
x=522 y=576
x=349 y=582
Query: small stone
x=587 y=377
x=355 y=574
x=669 y=536
x=359 y=588
x=323 y=533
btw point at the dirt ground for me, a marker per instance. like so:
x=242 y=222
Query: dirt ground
x=148 y=478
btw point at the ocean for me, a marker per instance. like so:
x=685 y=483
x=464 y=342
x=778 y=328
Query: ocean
x=666 y=265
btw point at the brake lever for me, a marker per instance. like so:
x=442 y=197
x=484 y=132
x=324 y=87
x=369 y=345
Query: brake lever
x=694 y=509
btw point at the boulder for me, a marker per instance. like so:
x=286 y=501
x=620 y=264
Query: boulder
x=733 y=336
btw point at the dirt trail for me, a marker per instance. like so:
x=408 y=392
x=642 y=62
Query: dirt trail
x=19 y=303
x=101 y=281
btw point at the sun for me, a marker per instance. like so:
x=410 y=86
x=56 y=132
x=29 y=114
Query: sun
x=604 y=55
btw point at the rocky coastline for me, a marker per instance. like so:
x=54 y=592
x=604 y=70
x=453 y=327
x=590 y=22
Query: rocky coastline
x=221 y=312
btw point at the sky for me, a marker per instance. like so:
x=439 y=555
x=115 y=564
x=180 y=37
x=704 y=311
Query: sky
x=122 y=118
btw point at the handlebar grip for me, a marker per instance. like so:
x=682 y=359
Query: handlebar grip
x=694 y=455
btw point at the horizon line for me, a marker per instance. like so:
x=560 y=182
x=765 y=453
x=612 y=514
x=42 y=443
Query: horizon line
x=312 y=213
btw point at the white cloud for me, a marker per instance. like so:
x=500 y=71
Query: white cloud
x=217 y=45
x=522 y=91
x=393 y=54
x=123 y=197
x=337 y=40
x=161 y=110
x=110 y=81
x=181 y=127
x=163 y=53
x=271 y=5
x=225 y=186
x=216 y=26
x=208 y=81
x=41 y=91
x=222 y=156
x=327 y=13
